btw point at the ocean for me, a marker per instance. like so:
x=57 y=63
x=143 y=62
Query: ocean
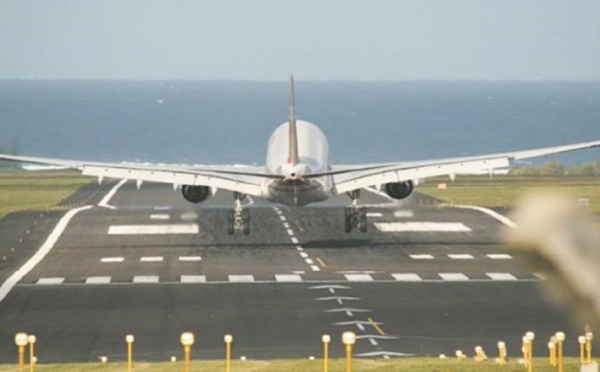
x=213 y=122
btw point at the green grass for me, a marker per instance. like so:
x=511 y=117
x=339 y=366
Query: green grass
x=336 y=365
x=20 y=190
x=504 y=191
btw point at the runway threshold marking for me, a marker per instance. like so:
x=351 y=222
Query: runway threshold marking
x=16 y=277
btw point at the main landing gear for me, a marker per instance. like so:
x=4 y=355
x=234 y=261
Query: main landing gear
x=355 y=216
x=238 y=219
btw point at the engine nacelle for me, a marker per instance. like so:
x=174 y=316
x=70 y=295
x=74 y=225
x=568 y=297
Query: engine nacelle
x=195 y=194
x=399 y=190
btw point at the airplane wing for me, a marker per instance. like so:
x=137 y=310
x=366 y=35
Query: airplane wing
x=349 y=178
x=243 y=179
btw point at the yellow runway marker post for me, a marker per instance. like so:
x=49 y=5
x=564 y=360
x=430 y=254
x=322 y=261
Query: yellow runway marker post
x=376 y=326
x=321 y=262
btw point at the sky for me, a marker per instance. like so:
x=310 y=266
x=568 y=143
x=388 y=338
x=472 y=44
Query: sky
x=313 y=39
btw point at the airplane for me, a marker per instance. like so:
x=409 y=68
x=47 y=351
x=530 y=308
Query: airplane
x=297 y=173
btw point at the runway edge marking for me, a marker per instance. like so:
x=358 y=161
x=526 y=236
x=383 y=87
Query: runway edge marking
x=16 y=277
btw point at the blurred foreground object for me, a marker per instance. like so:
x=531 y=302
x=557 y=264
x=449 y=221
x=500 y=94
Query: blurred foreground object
x=556 y=239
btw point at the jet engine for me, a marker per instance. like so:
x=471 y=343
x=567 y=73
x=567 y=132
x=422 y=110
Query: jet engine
x=398 y=190
x=195 y=194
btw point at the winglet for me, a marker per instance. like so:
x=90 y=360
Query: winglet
x=293 y=157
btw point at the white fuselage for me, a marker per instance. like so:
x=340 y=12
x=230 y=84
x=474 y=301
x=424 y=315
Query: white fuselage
x=294 y=189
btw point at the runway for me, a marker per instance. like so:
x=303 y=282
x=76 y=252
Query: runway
x=423 y=280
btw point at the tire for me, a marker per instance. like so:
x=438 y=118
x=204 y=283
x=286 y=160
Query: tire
x=362 y=219
x=347 y=220
x=246 y=222
x=230 y=227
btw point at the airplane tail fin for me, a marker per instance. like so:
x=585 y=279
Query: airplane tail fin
x=293 y=157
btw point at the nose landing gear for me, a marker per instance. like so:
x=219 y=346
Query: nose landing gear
x=238 y=219
x=354 y=215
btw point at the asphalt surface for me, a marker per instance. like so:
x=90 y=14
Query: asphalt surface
x=296 y=277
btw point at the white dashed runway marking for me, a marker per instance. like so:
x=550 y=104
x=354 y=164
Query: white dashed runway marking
x=501 y=276
x=421 y=257
x=454 y=277
x=190 y=258
x=146 y=279
x=359 y=277
x=161 y=217
x=98 y=280
x=193 y=279
x=461 y=256
x=409 y=277
x=50 y=281
x=288 y=278
x=112 y=259
x=500 y=256
x=241 y=278
x=152 y=259
x=421 y=227
x=153 y=229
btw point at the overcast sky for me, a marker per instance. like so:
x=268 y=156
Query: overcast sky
x=314 y=39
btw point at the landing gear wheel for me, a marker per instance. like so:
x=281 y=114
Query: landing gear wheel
x=230 y=222
x=246 y=222
x=347 y=220
x=362 y=219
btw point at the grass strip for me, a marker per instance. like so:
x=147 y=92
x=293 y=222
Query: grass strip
x=22 y=190
x=504 y=191
x=304 y=365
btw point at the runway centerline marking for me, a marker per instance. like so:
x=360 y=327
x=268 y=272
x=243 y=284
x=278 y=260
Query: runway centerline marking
x=8 y=285
x=162 y=217
x=295 y=240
